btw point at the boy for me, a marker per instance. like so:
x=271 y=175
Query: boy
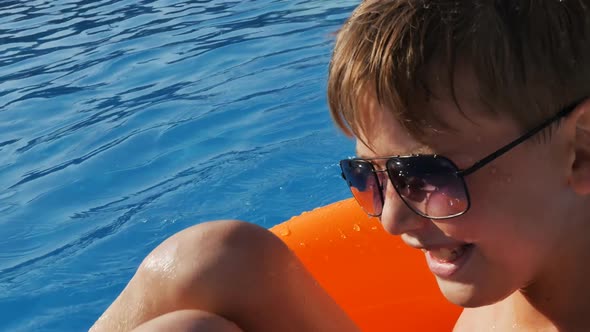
x=500 y=89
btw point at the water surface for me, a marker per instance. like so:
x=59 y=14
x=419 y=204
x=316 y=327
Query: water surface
x=123 y=122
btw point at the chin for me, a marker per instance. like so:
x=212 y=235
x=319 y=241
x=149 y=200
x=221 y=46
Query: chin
x=470 y=296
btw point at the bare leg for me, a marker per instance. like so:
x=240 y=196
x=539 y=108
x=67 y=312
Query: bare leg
x=188 y=321
x=235 y=270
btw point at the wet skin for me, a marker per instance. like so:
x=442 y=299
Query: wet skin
x=529 y=217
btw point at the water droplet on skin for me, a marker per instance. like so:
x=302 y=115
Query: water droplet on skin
x=302 y=244
x=164 y=263
x=451 y=202
x=285 y=231
x=374 y=228
x=356 y=227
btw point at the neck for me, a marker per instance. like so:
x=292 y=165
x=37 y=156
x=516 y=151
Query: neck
x=561 y=296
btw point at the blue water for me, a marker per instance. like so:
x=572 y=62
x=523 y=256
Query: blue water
x=123 y=122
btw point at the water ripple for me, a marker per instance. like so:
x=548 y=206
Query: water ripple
x=122 y=122
x=192 y=176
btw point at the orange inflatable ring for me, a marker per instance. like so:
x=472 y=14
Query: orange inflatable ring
x=380 y=282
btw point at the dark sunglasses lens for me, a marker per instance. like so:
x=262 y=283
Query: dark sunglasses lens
x=363 y=183
x=429 y=185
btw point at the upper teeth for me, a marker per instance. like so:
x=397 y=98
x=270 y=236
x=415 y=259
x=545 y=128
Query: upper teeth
x=446 y=254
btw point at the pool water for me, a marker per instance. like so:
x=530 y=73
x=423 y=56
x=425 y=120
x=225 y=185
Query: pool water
x=123 y=122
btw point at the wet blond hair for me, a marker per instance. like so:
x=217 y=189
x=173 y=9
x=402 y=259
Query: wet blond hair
x=529 y=57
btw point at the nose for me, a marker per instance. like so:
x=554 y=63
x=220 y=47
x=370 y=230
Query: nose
x=396 y=217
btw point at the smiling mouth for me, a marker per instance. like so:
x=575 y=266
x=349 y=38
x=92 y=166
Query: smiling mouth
x=448 y=255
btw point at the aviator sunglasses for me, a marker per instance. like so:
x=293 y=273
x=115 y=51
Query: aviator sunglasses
x=432 y=186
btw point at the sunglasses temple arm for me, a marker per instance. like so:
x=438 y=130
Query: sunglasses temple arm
x=516 y=142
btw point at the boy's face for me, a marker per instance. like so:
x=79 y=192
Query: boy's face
x=520 y=222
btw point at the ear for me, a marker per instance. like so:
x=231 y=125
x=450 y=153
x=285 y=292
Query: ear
x=578 y=124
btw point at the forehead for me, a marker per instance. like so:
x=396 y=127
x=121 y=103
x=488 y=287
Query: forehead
x=382 y=134
x=471 y=129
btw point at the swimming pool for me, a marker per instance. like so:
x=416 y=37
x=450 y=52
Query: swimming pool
x=123 y=122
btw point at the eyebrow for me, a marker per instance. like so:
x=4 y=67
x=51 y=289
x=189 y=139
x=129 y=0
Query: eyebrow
x=418 y=150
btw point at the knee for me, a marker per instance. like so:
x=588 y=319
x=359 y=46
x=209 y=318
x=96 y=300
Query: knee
x=211 y=259
x=188 y=321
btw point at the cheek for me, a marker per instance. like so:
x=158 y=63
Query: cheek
x=504 y=193
x=513 y=219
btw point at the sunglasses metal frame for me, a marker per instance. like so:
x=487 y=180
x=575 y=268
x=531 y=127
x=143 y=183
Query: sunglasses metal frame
x=457 y=172
x=461 y=173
